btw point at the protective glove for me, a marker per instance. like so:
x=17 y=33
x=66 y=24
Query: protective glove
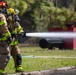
x=9 y=39
x=14 y=36
x=23 y=34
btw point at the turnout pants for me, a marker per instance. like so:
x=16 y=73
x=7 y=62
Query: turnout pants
x=4 y=54
x=15 y=52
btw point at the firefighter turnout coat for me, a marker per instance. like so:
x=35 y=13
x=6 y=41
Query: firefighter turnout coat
x=4 y=47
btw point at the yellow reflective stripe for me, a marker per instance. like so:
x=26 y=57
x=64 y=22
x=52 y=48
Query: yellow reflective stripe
x=14 y=43
x=2 y=22
x=4 y=38
x=19 y=28
x=19 y=68
x=20 y=31
x=14 y=31
x=2 y=71
x=7 y=34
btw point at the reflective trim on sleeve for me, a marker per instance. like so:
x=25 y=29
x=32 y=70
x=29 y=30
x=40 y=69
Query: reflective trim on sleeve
x=2 y=22
x=19 y=29
x=3 y=39
x=14 y=43
x=7 y=34
x=14 y=32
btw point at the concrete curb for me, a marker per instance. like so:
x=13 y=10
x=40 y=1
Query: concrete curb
x=57 y=71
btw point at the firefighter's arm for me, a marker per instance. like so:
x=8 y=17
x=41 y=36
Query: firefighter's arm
x=4 y=29
x=19 y=30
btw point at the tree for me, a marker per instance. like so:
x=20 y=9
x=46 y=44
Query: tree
x=71 y=4
x=41 y=14
x=21 y=5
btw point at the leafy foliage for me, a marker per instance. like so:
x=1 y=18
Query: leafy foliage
x=18 y=4
x=63 y=16
x=43 y=13
x=46 y=14
x=30 y=1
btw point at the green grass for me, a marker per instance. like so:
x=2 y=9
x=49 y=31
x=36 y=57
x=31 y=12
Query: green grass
x=35 y=64
x=45 y=52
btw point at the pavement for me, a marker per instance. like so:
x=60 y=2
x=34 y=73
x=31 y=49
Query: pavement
x=57 y=71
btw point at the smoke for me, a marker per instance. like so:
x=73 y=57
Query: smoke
x=53 y=34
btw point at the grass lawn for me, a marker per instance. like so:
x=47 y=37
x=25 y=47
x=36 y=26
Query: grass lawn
x=45 y=52
x=35 y=64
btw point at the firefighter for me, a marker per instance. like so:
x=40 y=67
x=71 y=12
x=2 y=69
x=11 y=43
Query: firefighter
x=5 y=38
x=15 y=30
